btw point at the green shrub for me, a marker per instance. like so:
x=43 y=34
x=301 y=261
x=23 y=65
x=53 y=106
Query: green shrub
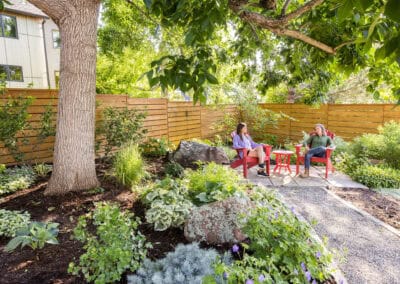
x=128 y=165
x=121 y=126
x=11 y=221
x=13 y=119
x=348 y=163
x=231 y=153
x=367 y=146
x=174 y=169
x=377 y=177
x=115 y=246
x=155 y=147
x=212 y=182
x=187 y=264
x=283 y=249
x=42 y=170
x=34 y=235
x=391 y=140
x=169 y=204
x=2 y=168
x=13 y=179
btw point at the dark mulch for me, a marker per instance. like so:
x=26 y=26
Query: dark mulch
x=385 y=208
x=49 y=265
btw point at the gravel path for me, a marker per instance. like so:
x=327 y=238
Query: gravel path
x=373 y=252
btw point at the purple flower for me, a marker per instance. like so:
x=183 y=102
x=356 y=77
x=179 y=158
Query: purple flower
x=308 y=276
x=225 y=275
x=276 y=215
x=318 y=254
x=341 y=281
x=293 y=211
x=303 y=266
x=261 y=278
x=235 y=248
x=314 y=282
x=249 y=281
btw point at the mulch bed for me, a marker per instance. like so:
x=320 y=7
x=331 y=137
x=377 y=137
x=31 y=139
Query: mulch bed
x=385 y=208
x=50 y=264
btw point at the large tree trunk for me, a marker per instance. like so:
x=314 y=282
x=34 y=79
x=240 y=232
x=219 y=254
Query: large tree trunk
x=74 y=151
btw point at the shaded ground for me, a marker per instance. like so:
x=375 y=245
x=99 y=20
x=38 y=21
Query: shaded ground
x=385 y=208
x=49 y=265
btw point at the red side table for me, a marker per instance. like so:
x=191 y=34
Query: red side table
x=282 y=158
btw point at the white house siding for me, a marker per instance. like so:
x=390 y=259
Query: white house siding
x=53 y=54
x=26 y=51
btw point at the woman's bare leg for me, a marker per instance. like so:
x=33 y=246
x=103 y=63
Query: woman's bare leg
x=259 y=153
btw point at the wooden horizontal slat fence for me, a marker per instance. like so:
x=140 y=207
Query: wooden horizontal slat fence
x=347 y=121
x=177 y=121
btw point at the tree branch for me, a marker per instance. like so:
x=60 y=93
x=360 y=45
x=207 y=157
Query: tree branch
x=55 y=9
x=300 y=11
x=304 y=38
x=277 y=26
x=284 y=8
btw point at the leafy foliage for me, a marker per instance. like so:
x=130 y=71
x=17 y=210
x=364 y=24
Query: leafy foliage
x=42 y=170
x=120 y=126
x=377 y=177
x=169 y=204
x=174 y=169
x=34 y=235
x=13 y=179
x=155 y=147
x=11 y=221
x=47 y=125
x=212 y=182
x=187 y=264
x=128 y=165
x=13 y=119
x=292 y=253
x=115 y=246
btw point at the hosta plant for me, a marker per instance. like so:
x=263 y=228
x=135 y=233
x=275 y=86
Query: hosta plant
x=114 y=246
x=34 y=235
x=11 y=221
x=13 y=179
x=169 y=204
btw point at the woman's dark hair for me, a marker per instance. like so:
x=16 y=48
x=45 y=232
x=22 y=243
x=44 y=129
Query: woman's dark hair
x=239 y=128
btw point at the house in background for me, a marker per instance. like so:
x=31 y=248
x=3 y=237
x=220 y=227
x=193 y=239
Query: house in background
x=29 y=47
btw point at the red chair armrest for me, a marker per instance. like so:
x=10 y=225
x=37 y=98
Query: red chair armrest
x=298 y=148
x=267 y=149
x=329 y=151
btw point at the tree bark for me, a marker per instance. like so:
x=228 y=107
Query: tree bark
x=74 y=150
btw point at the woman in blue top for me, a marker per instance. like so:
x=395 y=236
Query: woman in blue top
x=243 y=140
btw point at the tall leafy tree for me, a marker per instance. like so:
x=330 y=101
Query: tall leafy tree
x=349 y=32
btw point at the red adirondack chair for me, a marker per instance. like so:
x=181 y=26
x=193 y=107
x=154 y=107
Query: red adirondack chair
x=248 y=162
x=325 y=160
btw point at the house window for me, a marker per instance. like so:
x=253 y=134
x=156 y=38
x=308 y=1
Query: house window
x=56 y=39
x=57 y=78
x=11 y=73
x=8 y=26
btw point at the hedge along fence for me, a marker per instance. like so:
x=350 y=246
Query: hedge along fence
x=174 y=120
x=347 y=121
x=182 y=120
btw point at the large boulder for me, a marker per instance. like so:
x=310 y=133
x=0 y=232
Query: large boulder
x=188 y=153
x=217 y=222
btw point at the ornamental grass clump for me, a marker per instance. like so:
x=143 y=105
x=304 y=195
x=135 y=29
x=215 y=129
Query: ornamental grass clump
x=213 y=182
x=128 y=165
x=187 y=264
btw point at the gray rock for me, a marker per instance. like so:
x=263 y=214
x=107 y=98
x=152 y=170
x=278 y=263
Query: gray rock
x=217 y=222
x=188 y=153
